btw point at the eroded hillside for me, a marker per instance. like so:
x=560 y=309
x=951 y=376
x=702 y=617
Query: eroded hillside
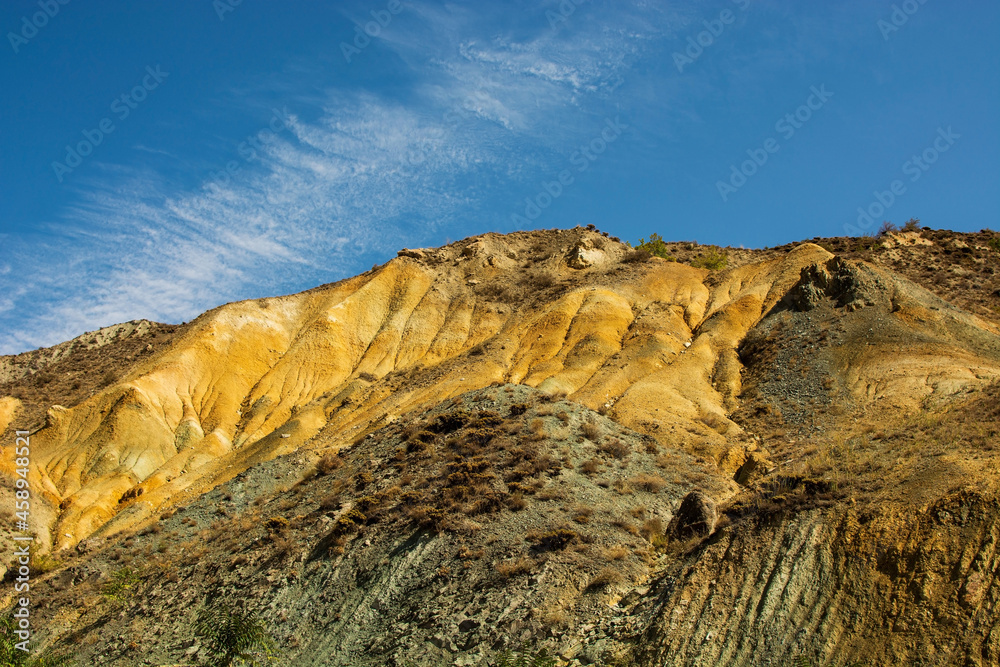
x=543 y=401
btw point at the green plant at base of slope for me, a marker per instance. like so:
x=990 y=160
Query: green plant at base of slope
x=122 y=586
x=655 y=246
x=12 y=656
x=233 y=637
x=523 y=658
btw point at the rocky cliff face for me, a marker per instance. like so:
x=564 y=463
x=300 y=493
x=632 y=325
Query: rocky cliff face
x=487 y=445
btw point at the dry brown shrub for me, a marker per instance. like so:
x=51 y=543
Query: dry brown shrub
x=553 y=617
x=615 y=447
x=622 y=486
x=582 y=513
x=328 y=463
x=649 y=483
x=465 y=553
x=517 y=502
x=652 y=528
x=715 y=422
x=617 y=552
x=608 y=576
x=590 y=466
x=591 y=431
x=552 y=540
x=627 y=526
x=510 y=569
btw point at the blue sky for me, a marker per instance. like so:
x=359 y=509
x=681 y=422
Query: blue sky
x=119 y=120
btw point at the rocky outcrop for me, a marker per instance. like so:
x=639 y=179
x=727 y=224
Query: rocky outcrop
x=696 y=516
x=834 y=587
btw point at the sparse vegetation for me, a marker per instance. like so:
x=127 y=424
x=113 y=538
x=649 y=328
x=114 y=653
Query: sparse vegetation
x=649 y=483
x=43 y=563
x=637 y=256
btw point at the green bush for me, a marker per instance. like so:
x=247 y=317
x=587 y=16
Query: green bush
x=523 y=658
x=713 y=259
x=233 y=637
x=655 y=246
x=122 y=585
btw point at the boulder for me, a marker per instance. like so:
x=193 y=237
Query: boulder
x=696 y=516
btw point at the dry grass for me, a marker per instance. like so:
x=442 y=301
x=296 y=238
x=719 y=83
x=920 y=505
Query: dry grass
x=608 y=576
x=508 y=569
x=553 y=617
x=591 y=431
x=648 y=483
x=615 y=447
x=623 y=487
x=328 y=463
x=552 y=540
x=652 y=528
x=627 y=526
x=581 y=513
x=517 y=502
x=617 y=552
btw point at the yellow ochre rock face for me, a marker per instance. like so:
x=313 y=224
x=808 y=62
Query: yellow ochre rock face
x=653 y=344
